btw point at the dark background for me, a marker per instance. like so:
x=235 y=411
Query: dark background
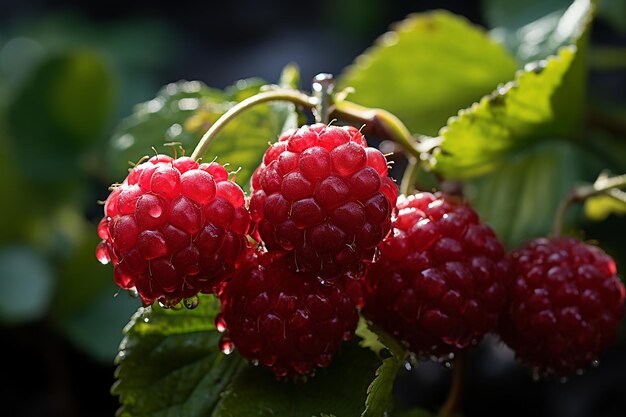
x=44 y=374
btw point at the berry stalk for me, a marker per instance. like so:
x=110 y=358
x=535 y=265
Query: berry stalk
x=603 y=185
x=392 y=126
x=292 y=96
x=453 y=403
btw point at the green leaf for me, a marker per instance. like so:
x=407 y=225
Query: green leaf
x=244 y=140
x=488 y=135
x=520 y=199
x=60 y=110
x=369 y=339
x=170 y=364
x=428 y=67
x=26 y=285
x=182 y=112
x=156 y=122
x=600 y=207
x=379 y=400
x=535 y=29
x=339 y=390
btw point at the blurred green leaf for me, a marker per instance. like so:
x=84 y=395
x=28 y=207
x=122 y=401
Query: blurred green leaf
x=488 y=135
x=535 y=29
x=82 y=279
x=182 y=112
x=428 y=67
x=170 y=364
x=156 y=122
x=519 y=199
x=96 y=328
x=613 y=12
x=60 y=110
x=600 y=207
x=26 y=285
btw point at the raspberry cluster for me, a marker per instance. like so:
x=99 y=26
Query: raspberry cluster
x=322 y=195
x=565 y=305
x=173 y=228
x=440 y=283
x=322 y=209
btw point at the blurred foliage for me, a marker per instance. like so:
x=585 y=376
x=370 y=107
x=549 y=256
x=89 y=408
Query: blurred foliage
x=183 y=111
x=63 y=83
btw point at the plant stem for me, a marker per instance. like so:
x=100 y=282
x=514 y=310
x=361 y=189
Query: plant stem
x=604 y=184
x=393 y=128
x=323 y=86
x=453 y=402
x=292 y=96
x=406 y=186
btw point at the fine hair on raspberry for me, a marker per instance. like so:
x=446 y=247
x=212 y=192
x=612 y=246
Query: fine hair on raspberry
x=173 y=228
x=323 y=195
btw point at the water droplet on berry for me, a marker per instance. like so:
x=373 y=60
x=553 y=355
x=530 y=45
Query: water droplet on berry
x=191 y=302
x=408 y=366
x=448 y=364
x=595 y=363
x=102 y=253
x=163 y=305
x=254 y=362
x=133 y=293
x=226 y=345
x=220 y=323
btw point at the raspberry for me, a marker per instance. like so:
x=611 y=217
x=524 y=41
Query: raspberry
x=322 y=194
x=440 y=283
x=173 y=228
x=565 y=304
x=289 y=322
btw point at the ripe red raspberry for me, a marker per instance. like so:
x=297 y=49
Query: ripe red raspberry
x=565 y=304
x=173 y=228
x=440 y=283
x=324 y=195
x=289 y=322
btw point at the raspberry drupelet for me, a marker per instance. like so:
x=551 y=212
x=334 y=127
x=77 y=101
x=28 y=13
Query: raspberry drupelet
x=173 y=228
